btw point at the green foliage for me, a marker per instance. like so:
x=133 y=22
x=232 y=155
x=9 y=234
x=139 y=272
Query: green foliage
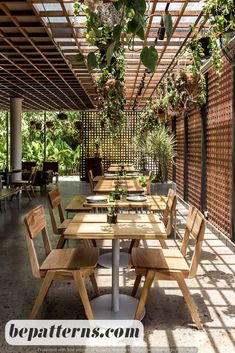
x=220 y=14
x=160 y=146
x=142 y=180
x=63 y=141
x=167 y=20
x=149 y=56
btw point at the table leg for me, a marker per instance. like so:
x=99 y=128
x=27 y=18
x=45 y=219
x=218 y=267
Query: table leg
x=115 y=274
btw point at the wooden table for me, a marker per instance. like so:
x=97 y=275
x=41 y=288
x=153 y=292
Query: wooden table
x=114 y=306
x=5 y=193
x=153 y=203
x=115 y=168
x=104 y=186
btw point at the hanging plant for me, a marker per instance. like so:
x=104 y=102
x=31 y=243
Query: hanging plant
x=32 y=123
x=38 y=126
x=49 y=123
x=110 y=26
x=78 y=124
x=220 y=14
x=62 y=116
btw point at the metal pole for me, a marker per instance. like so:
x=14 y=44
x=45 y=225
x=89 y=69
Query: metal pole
x=115 y=274
x=45 y=137
x=7 y=143
x=186 y=156
x=204 y=119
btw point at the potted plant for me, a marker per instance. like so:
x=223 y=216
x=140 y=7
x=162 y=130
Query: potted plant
x=160 y=147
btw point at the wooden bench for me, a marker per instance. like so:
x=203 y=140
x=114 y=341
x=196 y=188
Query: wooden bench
x=5 y=193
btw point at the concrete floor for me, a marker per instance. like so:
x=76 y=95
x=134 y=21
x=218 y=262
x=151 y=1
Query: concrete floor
x=168 y=324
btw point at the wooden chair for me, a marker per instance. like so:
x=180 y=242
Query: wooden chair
x=91 y=180
x=27 y=185
x=168 y=220
x=55 y=202
x=170 y=264
x=149 y=180
x=59 y=264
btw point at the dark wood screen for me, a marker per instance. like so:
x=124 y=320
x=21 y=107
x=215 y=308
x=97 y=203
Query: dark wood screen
x=112 y=150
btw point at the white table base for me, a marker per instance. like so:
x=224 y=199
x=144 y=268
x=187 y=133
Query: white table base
x=105 y=260
x=102 y=308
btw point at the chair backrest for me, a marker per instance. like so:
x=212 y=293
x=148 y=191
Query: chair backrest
x=169 y=212
x=102 y=168
x=54 y=202
x=35 y=222
x=28 y=165
x=32 y=175
x=90 y=176
x=195 y=227
x=54 y=166
x=149 y=182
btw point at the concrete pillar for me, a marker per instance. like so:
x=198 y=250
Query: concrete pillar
x=16 y=136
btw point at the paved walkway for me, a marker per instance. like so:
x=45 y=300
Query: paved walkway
x=168 y=324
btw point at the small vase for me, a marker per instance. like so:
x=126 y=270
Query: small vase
x=112 y=218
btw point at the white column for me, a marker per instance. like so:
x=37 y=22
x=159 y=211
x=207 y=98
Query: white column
x=16 y=135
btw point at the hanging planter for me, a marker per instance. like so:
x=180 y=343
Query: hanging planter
x=38 y=126
x=32 y=123
x=62 y=116
x=78 y=125
x=49 y=124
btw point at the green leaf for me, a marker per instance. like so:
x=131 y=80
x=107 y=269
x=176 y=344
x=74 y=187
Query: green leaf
x=79 y=57
x=140 y=33
x=149 y=56
x=139 y=6
x=117 y=33
x=92 y=61
x=133 y=25
x=167 y=19
x=109 y=52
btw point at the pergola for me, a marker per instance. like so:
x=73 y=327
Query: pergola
x=40 y=41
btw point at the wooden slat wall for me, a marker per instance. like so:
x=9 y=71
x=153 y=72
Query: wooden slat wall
x=194 y=157
x=219 y=162
x=180 y=154
x=219 y=152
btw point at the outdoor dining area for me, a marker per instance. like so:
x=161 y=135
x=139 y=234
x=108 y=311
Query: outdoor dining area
x=117 y=172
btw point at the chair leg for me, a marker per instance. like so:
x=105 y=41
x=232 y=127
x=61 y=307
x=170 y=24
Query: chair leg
x=189 y=300
x=42 y=293
x=83 y=294
x=144 y=294
x=136 y=285
x=94 y=284
x=32 y=190
x=163 y=244
x=61 y=242
x=134 y=243
x=27 y=191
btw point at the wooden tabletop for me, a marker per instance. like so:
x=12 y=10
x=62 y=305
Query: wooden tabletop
x=115 y=231
x=8 y=192
x=105 y=186
x=153 y=203
x=122 y=218
x=118 y=168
